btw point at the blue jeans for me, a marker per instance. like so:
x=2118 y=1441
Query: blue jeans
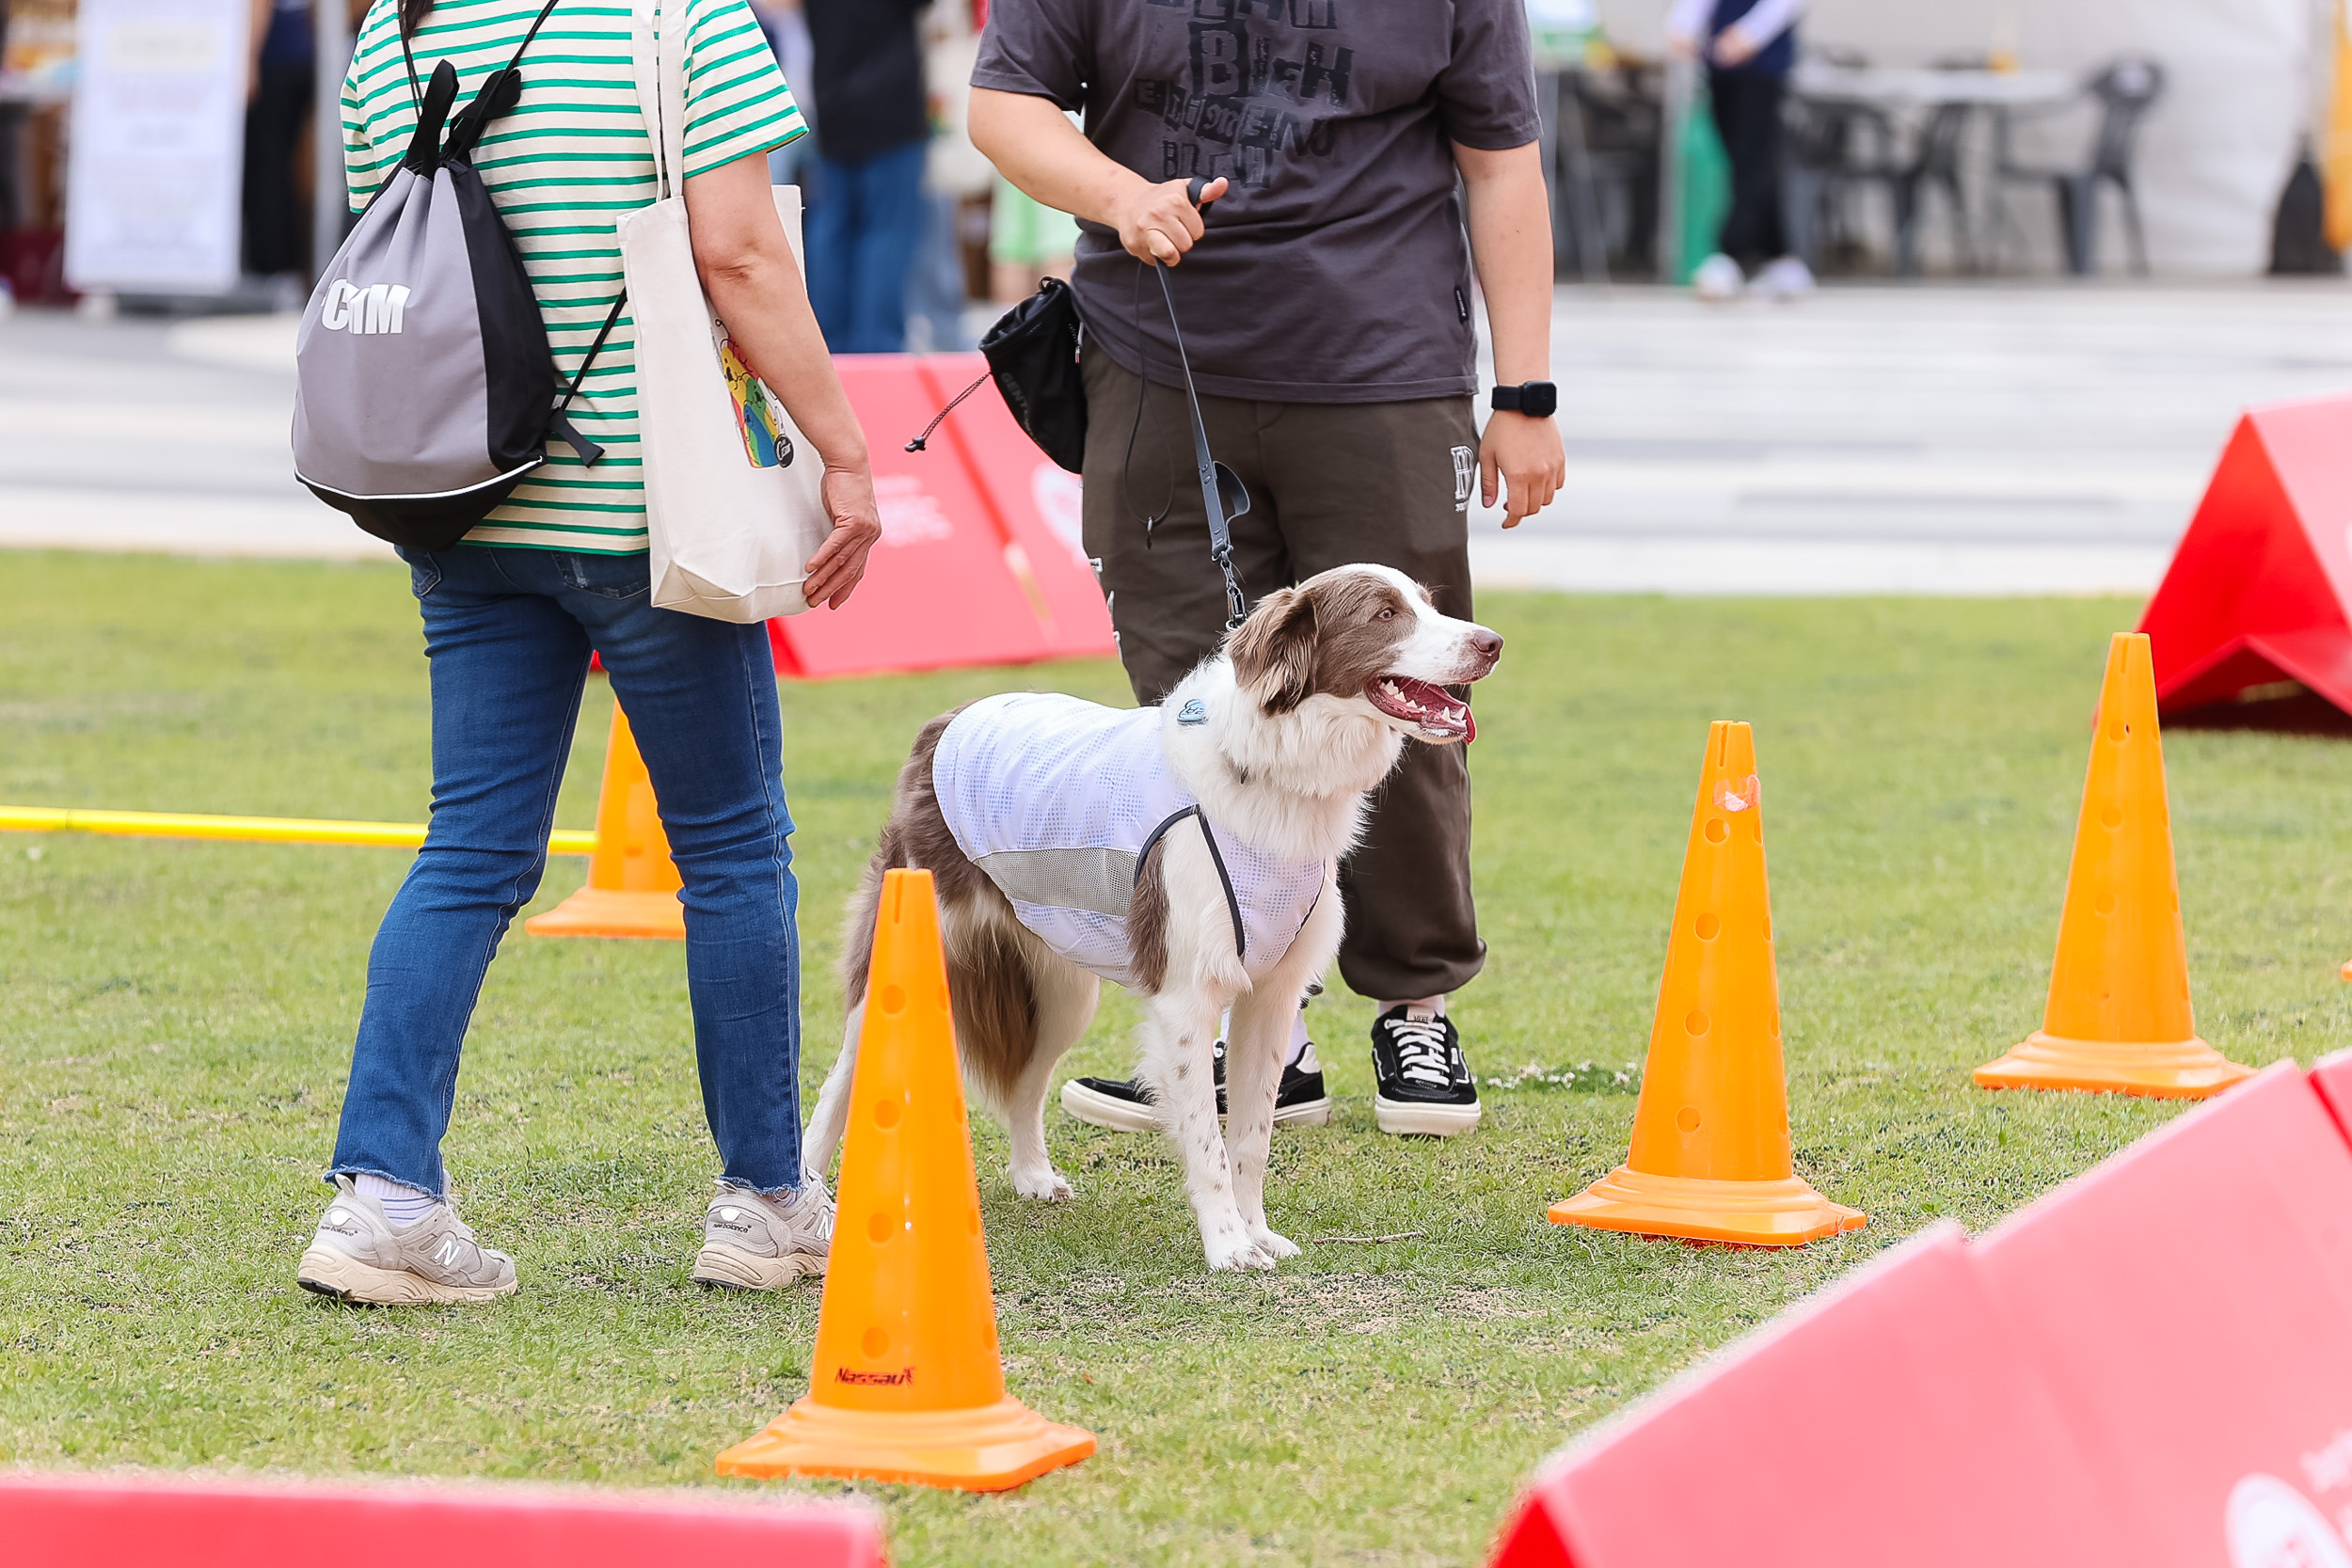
x=508 y=632
x=864 y=224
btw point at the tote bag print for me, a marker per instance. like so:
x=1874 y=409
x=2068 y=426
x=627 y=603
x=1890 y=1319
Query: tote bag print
x=757 y=416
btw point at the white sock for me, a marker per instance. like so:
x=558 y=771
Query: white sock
x=1432 y=1006
x=403 y=1205
x=1300 y=1044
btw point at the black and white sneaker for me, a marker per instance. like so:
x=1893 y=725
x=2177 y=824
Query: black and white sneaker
x=1424 y=1081
x=1125 y=1106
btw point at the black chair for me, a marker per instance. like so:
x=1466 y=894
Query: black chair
x=1620 y=113
x=2124 y=92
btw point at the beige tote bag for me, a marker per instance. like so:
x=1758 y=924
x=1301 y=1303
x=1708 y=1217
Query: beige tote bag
x=732 y=490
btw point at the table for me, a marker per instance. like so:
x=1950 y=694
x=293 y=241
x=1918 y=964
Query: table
x=1941 y=104
x=1889 y=88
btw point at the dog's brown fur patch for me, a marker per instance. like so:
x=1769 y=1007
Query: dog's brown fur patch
x=1146 y=921
x=1334 y=635
x=988 y=978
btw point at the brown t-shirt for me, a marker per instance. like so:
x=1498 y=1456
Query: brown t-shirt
x=1334 y=270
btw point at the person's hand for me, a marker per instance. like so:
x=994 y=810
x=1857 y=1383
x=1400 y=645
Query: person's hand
x=838 y=565
x=1525 y=456
x=1681 y=46
x=1735 y=45
x=1159 y=222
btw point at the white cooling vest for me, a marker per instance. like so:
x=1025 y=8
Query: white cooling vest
x=1056 y=799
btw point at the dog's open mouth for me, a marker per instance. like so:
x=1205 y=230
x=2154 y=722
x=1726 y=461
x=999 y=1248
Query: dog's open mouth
x=1430 y=708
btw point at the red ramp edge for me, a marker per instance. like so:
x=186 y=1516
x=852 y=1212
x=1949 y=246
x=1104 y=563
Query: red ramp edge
x=2146 y=1366
x=74 y=1521
x=2191 y=1296
x=968 y=571
x=1837 y=1437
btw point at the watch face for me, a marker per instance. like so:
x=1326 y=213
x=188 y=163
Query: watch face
x=1539 y=399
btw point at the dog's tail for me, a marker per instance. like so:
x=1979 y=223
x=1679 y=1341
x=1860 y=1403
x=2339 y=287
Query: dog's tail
x=892 y=852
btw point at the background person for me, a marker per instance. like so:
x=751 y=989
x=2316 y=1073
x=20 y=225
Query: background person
x=866 y=191
x=1327 y=315
x=1750 y=46
x=512 y=614
x=275 y=222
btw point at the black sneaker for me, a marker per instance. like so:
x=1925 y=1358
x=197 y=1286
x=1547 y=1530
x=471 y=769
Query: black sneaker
x=1125 y=1106
x=1424 y=1081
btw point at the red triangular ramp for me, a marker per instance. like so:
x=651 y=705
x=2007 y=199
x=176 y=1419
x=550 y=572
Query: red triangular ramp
x=968 y=571
x=2258 y=588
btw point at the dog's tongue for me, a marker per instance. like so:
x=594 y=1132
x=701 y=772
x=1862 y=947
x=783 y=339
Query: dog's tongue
x=1473 y=733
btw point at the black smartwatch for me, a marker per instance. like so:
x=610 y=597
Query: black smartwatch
x=1537 y=400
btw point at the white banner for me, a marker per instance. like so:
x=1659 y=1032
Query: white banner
x=156 y=165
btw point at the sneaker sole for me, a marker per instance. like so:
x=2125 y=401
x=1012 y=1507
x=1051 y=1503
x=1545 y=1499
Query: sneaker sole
x=1307 y=1113
x=345 y=1279
x=1102 y=1110
x=1120 y=1116
x=726 y=1268
x=1414 y=1118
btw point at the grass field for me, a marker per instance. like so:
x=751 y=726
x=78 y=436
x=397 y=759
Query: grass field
x=175 y=1023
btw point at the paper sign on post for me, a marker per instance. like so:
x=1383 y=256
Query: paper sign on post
x=151 y=193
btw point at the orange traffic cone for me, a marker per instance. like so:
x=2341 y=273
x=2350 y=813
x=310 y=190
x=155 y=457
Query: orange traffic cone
x=906 y=1383
x=1710 y=1136
x=632 y=884
x=2119 y=1018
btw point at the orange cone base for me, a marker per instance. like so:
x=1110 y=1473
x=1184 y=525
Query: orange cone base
x=595 y=911
x=1786 y=1212
x=992 y=1448
x=2345 y=973
x=2182 y=1070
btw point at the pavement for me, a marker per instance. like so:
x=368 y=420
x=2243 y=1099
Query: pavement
x=1955 y=440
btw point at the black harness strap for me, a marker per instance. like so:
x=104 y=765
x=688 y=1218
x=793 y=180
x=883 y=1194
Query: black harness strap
x=1233 y=904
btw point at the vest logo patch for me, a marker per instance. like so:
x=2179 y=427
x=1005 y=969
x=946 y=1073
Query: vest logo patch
x=376 y=307
x=1192 y=713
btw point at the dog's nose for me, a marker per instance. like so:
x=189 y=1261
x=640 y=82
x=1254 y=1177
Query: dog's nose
x=1487 y=645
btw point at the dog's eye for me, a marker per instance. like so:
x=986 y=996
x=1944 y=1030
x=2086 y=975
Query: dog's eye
x=1386 y=615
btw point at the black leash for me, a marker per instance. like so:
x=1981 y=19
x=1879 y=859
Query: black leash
x=1215 y=477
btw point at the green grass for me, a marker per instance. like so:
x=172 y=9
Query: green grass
x=175 y=1022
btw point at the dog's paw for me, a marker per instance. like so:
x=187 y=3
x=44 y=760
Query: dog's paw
x=1230 y=1255
x=1046 y=1184
x=1272 y=1245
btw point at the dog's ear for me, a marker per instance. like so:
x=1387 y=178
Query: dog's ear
x=1274 y=650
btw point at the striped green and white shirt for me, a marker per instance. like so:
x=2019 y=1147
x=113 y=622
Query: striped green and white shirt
x=563 y=167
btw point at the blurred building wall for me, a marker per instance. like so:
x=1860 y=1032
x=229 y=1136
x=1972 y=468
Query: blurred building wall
x=2213 y=156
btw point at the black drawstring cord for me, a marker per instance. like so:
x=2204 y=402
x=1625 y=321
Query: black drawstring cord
x=977 y=382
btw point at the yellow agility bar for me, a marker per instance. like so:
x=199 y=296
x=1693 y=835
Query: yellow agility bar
x=262 y=830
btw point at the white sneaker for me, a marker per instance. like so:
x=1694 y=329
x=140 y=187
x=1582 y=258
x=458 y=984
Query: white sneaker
x=1784 y=280
x=359 y=1255
x=1718 y=278
x=756 y=1242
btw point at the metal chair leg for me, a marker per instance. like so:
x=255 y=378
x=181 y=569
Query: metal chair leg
x=2131 y=230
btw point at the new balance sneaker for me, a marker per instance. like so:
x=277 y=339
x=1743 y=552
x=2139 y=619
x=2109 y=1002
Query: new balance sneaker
x=359 y=1255
x=1424 y=1081
x=1125 y=1106
x=754 y=1242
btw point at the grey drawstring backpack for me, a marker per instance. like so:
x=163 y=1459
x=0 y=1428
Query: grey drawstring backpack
x=424 y=391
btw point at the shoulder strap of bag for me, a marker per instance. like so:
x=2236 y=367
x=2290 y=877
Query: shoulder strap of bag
x=657 y=34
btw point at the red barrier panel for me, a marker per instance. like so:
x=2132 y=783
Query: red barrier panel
x=967 y=571
x=2192 y=1300
x=1841 y=1436
x=2332 y=1077
x=52 y=1521
x=2258 y=588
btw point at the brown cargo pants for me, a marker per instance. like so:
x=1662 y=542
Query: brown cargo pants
x=1329 y=483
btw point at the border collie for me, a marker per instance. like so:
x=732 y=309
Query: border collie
x=1187 y=852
